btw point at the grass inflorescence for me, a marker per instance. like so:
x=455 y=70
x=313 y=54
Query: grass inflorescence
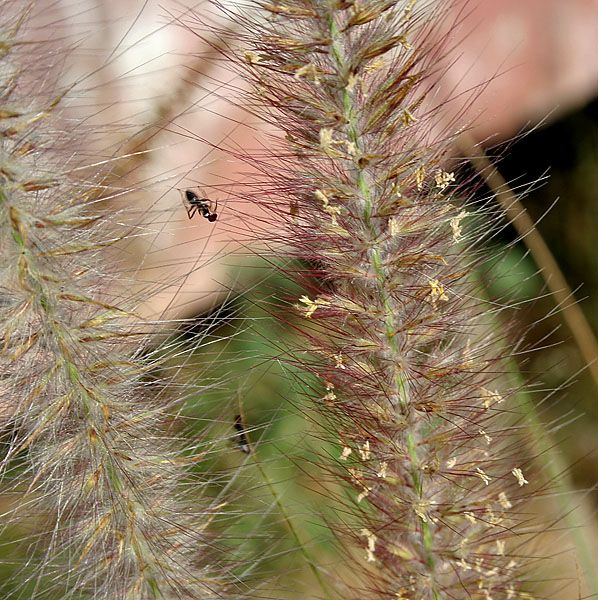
x=92 y=467
x=406 y=347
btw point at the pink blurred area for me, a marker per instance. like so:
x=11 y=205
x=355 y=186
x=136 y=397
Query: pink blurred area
x=539 y=57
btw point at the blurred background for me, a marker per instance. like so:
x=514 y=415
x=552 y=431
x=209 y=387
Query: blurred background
x=163 y=104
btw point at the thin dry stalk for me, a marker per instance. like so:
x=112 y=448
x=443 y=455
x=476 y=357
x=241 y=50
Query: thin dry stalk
x=555 y=280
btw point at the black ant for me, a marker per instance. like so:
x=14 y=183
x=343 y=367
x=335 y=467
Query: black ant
x=194 y=204
x=242 y=440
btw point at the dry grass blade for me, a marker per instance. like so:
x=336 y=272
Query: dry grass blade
x=553 y=276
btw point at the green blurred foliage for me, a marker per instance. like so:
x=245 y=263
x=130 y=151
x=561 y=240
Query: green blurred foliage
x=246 y=365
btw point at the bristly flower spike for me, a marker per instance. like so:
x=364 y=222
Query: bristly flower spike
x=88 y=450
x=363 y=187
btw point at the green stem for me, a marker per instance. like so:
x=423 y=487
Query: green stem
x=377 y=265
x=290 y=526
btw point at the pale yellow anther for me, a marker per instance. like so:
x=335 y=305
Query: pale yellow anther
x=356 y=475
x=382 y=471
x=480 y=473
x=422 y=510
x=309 y=71
x=395 y=189
x=443 y=179
x=252 y=57
x=490 y=397
x=470 y=517
x=409 y=8
x=346 y=453
x=358 y=479
x=333 y=211
x=421 y=514
x=330 y=396
x=500 y=547
x=326 y=137
x=312 y=305
x=436 y=292
x=407 y=118
x=479 y=563
x=322 y=197
x=485 y=436
x=420 y=176
x=351 y=148
x=328 y=143
x=371 y=547
x=456 y=225
x=364 y=450
x=464 y=564
x=451 y=462
x=404 y=42
x=364 y=494
x=351 y=83
x=518 y=474
x=504 y=501
x=510 y=592
x=492 y=517
x=339 y=361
